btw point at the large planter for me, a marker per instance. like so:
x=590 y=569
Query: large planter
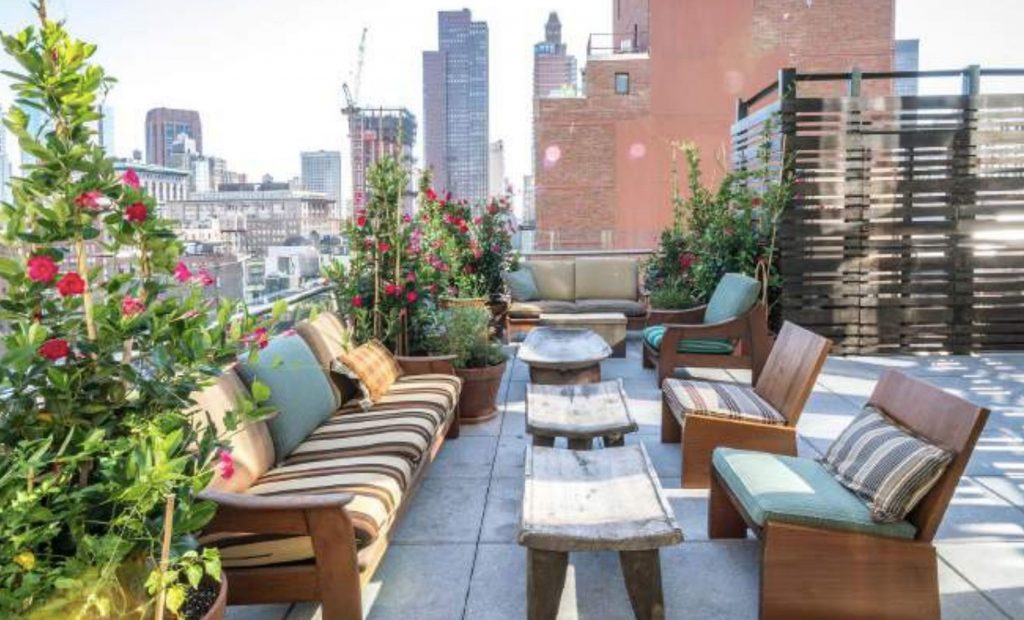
x=220 y=605
x=462 y=302
x=478 y=401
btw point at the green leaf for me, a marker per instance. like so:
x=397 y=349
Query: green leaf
x=194 y=574
x=260 y=391
x=175 y=598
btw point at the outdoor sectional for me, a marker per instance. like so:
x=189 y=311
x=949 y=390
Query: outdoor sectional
x=318 y=488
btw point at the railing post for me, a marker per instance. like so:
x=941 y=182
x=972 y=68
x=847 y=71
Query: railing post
x=853 y=85
x=787 y=83
x=963 y=197
x=972 y=80
x=742 y=109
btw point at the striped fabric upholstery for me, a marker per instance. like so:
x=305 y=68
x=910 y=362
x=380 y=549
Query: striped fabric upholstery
x=405 y=432
x=377 y=483
x=720 y=400
x=887 y=465
x=433 y=390
x=374 y=367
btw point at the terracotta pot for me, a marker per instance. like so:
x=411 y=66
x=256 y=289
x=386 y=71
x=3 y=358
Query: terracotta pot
x=220 y=605
x=478 y=401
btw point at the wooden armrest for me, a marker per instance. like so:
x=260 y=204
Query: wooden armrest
x=427 y=364
x=731 y=329
x=248 y=502
x=690 y=316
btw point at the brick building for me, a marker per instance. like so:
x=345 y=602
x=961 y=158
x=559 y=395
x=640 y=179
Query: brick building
x=673 y=72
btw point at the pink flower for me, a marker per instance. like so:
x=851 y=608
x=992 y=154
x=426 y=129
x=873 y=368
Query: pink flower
x=495 y=248
x=407 y=218
x=431 y=194
x=384 y=247
x=71 y=284
x=410 y=277
x=360 y=220
x=182 y=273
x=204 y=278
x=478 y=220
x=477 y=253
x=54 y=349
x=411 y=297
x=89 y=200
x=135 y=212
x=132 y=306
x=357 y=301
x=41 y=268
x=433 y=289
x=225 y=464
x=258 y=337
x=131 y=178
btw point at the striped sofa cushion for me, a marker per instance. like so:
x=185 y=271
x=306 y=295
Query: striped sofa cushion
x=886 y=464
x=406 y=432
x=377 y=483
x=720 y=400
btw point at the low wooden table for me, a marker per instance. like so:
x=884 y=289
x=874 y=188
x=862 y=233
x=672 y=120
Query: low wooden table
x=611 y=326
x=580 y=413
x=597 y=500
x=562 y=356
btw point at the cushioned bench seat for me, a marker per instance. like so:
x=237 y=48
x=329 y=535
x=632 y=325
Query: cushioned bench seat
x=706 y=346
x=720 y=400
x=789 y=489
x=533 y=309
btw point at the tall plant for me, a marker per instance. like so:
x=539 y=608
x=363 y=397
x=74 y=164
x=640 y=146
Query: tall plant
x=493 y=230
x=98 y=446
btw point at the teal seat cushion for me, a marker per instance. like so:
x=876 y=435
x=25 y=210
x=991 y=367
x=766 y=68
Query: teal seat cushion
x=522 y=285
x=734 y=295
x=299 y=390
x=789 y=489
x=654 y=334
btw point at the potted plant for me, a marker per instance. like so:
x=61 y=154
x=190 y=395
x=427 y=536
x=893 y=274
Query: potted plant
x=464 y=332
x=452 y=248
x=101 y=459
x=494 y=229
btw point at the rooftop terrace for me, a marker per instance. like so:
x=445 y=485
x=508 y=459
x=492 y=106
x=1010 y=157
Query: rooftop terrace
x=455 y=554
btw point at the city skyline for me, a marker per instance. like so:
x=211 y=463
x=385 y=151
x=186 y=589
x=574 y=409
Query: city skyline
x=261 y=51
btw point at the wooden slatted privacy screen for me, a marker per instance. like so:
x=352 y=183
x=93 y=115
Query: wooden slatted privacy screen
x=906 y=230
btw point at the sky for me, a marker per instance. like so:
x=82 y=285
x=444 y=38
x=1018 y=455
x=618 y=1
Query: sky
x=266 y=75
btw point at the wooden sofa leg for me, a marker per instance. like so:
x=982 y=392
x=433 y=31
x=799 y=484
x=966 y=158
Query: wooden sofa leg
x=337 y=569
x=814 y=573
x=724 y=519
x=671 y=431
x=702 y=434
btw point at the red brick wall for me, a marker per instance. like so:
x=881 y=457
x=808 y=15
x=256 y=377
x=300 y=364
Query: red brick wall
x=611 y=181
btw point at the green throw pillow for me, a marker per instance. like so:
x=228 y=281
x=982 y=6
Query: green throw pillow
x=299 y=390
x=522 y=285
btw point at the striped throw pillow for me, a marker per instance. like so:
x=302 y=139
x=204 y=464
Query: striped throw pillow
x=885 y=464
x=373 y=366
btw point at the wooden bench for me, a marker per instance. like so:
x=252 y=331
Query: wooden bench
x=580 y=413
x=602 y=500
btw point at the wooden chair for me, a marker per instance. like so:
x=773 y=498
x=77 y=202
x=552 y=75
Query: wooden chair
x=731 y=331
x=814 y=572
x=773 y=406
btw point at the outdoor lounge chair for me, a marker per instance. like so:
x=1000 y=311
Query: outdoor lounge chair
x=706 y=414
x=731 y=331
x=823 y=556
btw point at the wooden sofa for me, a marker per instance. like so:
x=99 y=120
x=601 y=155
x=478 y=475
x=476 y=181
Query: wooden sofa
x=822 y=555
x=580 y=286
x=313 y=524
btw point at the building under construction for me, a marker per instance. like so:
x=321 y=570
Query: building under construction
x=375 y=133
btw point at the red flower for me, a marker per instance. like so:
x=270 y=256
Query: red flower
x=392 y=289
x=463 y=228
x=687 y=260
x=132 y=306
x=54 y=349
x=755 y=201
x=431 y=194
x=492 y=209
x=384 y=247
x=130 y=178
x=182 y=273
x=407 y=218
x=470 y=269
x=411 y=297
x=205 y=278
x=225 y=464
x=41 y=268
x=357 y=301
x=360 y=220
x=478 y=220
x=135 y=212
x=89 y=200
x=71 y=284
x=258 y=337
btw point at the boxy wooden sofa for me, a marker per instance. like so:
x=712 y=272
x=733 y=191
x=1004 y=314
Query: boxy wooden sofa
x=312 y=523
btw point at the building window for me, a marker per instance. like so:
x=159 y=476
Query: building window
x=621 y=83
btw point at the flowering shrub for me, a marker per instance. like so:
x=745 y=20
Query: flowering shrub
x=452 y=248
x=494 y=229
x=96 y=436
x=730 y=229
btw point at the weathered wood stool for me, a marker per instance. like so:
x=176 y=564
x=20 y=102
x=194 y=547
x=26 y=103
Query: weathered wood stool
x=580 y=413
x=560 y=356
x=602 y=500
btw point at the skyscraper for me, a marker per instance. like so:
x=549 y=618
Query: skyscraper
x=554 y=71
x=321 y=172
x=163 y=126
x=455 y=106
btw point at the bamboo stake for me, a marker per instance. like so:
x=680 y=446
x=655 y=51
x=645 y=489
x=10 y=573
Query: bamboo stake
x=165 y=554
x=83 y=272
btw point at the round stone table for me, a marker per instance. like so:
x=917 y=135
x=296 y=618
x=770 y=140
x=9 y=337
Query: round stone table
x=564 y=356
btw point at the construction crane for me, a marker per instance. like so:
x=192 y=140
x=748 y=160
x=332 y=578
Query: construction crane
x=355 y=121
